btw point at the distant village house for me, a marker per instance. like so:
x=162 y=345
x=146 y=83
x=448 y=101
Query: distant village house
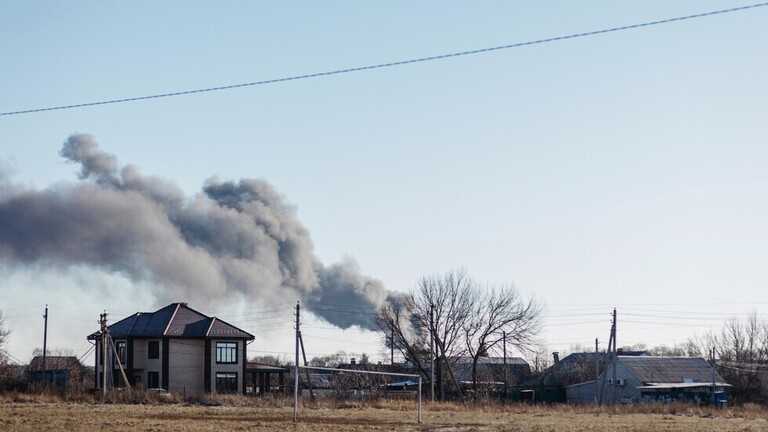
x=652 y=379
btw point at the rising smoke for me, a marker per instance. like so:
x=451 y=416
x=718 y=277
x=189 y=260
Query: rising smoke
x=234 y=239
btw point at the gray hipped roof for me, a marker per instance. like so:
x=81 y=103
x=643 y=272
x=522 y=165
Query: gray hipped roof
x=669 y=369
x=174 y=320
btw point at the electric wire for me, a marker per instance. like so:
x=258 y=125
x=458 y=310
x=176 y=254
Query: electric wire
x=390 y=64
x=80 y=359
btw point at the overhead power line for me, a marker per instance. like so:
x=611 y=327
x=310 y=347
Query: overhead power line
x=389 y=64
x=80 y=359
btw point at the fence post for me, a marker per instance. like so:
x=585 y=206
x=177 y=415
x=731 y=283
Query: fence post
x=419 y=399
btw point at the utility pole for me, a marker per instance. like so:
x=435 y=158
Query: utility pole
x=615 y=359
x=615 y=324
x=392 y=346
x=714 y=383
x=296 y=369
x=597 y=359
x=45 y=341
x=597 y=367
x=609 y=357
x=306 y=371
x=506 y=372
x=432 y=351
x=103 y=322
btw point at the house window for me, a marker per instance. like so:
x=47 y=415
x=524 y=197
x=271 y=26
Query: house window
x=153 y=350
x=226 y=382
x=122 y=350
x=153 y=380
x=226 y=352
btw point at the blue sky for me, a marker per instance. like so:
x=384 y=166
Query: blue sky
x=626 y=169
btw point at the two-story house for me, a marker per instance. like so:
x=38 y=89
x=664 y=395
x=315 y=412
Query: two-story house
x=175 y=348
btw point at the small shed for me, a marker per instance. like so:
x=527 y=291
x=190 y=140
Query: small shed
x=61 y=372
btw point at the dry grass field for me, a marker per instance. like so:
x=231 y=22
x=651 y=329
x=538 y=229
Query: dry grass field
x=36 y=415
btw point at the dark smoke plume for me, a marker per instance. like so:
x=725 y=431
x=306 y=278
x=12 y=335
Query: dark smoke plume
x=233 y=239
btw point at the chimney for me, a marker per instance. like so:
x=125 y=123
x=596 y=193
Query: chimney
x=556 y=357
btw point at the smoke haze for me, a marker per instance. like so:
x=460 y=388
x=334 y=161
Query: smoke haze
x=233 y=240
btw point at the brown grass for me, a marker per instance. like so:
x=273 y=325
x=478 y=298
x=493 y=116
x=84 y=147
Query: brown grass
x=20 y=412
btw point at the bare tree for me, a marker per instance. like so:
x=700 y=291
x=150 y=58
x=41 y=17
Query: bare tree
x=741 y=348
x=443 y=306
x=4 y=332
x=438 y=308
x=403 y=331
x=676 y=350
x=499 y=312
x=10 y=379
x=462 y=318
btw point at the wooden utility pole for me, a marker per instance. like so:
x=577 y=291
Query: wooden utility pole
x=609 y=358
x=432 y=351
x=597 y=359
x=296 y=369
x=45 y=342
x=714 y=383
x=306 y=371
x=392 y=346
x=506 y=372
x=104 y=330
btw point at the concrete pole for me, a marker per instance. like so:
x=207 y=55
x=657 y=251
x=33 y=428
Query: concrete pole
x=296 y=370
x=615 y=359
x=45 y=342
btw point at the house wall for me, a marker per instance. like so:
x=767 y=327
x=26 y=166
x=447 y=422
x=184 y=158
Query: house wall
x=139 y=354
x=629 y=391
x=589 y=391
x=584 y=393
x=142 y=365
x=186 y=366
x=237 y=367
